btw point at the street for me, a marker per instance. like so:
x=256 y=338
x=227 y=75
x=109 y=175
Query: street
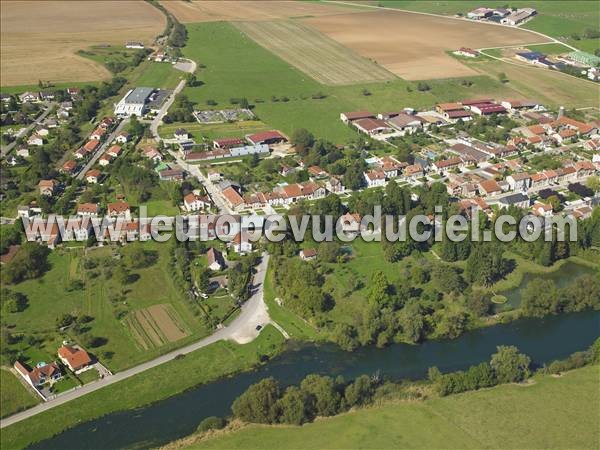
x=7 y=148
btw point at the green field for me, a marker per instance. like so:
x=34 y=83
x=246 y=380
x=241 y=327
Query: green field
x=99 y=299
x=551 y=413
x=201 y=132
x=208 y=364
x=236 y=67
x=14 y=396
x=158 y=75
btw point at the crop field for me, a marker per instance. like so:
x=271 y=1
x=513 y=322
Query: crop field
x=39 y=40
x=215 y=11
x=508 y=416
x=156 y=325
x=318 y=56
x=419 y=51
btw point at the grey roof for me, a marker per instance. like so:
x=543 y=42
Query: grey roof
x=514 y=198
x=139 y=95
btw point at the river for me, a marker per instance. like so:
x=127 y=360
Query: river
x=543 y=340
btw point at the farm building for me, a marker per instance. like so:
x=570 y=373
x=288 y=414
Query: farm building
x=518 y=16
x=466 y=52
x=350 y=116
x=267 y=137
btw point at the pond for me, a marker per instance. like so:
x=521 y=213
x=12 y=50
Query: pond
x=543 y=340
x=566 y=274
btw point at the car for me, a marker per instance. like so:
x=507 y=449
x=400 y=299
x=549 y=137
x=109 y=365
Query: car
x=258 y=327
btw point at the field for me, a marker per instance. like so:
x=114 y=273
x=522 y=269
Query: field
x=509 y=416
x=419 y=52
x=39 y=40
x=158 y=75
x=155 y=326
x=213 y=11
x=107 y=301
x=14 y=396
x=211 y=131
x=321 y=58
x=238 y=67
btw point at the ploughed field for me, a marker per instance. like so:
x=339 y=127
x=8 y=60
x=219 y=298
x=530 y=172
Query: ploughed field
x=39 y=40
x=315 y=54
x=414 y=46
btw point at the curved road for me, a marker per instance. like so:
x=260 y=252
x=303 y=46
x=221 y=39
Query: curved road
x=242 y=330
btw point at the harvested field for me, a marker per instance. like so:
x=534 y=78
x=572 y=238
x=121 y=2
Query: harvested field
x=214 y=11
x=155 y=326
x=413 y=46
x=39 y=39
x=318 y=56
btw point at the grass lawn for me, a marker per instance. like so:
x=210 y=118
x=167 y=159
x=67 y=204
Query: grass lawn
x=208 y=132
x=66 y=383
x=552 y=413
x=158 y=75
x=104 y=299
x=237 y=67
x=14 y=396
x=88 y=376
x=161 y=207
x=208 y=364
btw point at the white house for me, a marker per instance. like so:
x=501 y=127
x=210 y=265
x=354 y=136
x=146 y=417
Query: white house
x=519 y=182
x=193 y=202
x=35 y=139
x=123 y=137
x=241 y=245
x=215 y=259
x=375 y=178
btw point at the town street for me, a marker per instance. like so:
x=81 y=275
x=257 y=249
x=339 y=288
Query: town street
x=241 y=330
x=24 y=132
x=102 y=149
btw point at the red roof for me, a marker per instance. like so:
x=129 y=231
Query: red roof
x=92 y=145
x=232 y=196
x=266 y=136
x=76 y=358
x=229 y=142
x=358 y=115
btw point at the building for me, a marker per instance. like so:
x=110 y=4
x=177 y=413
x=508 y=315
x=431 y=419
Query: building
x=123 y=137
x=74 y=358
x=134 y=102
x=98 y=134
x=88 y=210
x=518 y=17
x=266 y=137
x=215 y=259
x=41 y=374
x=466 y=52
x=372 y=127
x=490 y=187
x=105 y=160
x=119 y=209
x=519 y=181
x=308 y=254
x=69 y=166
x=181 y=134
x=351 y=116
x=228 y=142
x=35 y=139
x=193 y=202
x=480 y=13
x=114 y=150
x=519 y=200
x=406 y=123
x=92 y=176
x=134 y=44
x=47 y=187
x=233 y=198
x=240 y=244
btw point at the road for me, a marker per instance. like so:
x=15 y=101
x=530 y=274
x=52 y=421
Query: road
x=102 y=149
x=7 y=148
x=241 y=330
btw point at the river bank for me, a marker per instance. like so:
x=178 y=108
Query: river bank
x=167 y=420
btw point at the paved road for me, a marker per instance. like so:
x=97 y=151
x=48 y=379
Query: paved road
x=102 y=149
x=7 y=148
x=242 y=330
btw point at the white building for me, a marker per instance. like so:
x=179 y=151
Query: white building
x=134 y=102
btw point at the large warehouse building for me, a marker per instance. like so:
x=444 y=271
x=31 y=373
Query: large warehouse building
x=134 y=102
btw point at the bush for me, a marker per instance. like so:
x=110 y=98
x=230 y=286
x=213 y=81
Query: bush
x=211 y=423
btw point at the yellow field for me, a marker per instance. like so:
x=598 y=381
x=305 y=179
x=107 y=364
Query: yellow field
x=318 y=56
x=39 y=38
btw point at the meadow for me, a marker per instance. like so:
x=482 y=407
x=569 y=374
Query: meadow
x=202 y=366
x=233 y=66
x=14 y=396
x=535 y=415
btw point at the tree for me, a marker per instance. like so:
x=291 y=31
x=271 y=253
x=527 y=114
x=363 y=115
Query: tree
x=302 y=139
x=294 y=406
x=325 y=398
x=12 y=302
x=539 y=298
x=203 y=281
x=479 y=303
x=502 y=77
x=359 y=392
x=593 y=183
x=509 y=365
x=138 y=258
x=412 y=322
x=257 y=403
x=485 y=264
x=379 y=294
x=29 y=262
x=329 y=251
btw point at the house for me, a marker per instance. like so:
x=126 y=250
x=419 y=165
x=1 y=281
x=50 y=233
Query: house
x=91 y=146
x=153 y=154
x=98 y=134
x=215 y=259
x=134 y=102
x=181 y=134
x=42 y=131
x=232 y=197
x=308 y=254
x=228 y=142
x=317 y=172
x=193 y=202
x=357 y=115
x=88 y=210
x=28 y=211
x=23 y=152
x=519 y=200
x=105 y=160
x=267 y=137
x=334 y=185
x=28 y=97
x=375 y=178
x=92 y=176
x=575 y=125
x=240 y=244
x=123 y=137
x=43 y=373
x=47 y=187
x=74 y=358
x=520 y=104
x=519 y=181
x=213 y=175
x=542 y=209
x=443 y=166
x=480 y=13
x=372 y=127
x=452 y=112
x=350 y=223
x=68 y=167
x=114 y=150
x=490 y=187
x=519 y=16
x=584 y=168
x=35 y=139
x=466 y=52
x=119 y=209
x=593 y=145
x=390 y=166
x=73 y=92
x=413 y=171
x=174 y=173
